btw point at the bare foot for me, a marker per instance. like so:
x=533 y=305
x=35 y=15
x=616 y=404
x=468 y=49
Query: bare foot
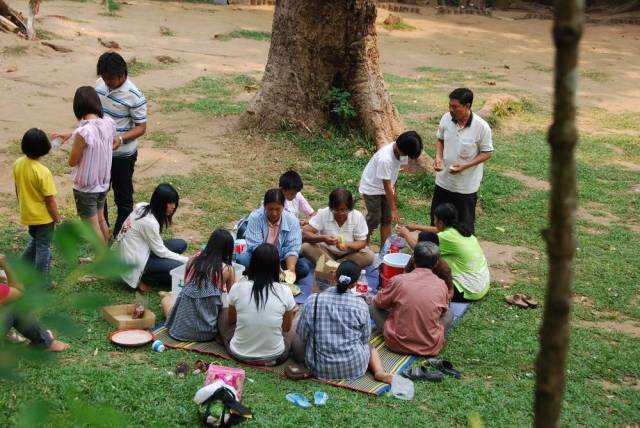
x=142 y=287
x=58 y=346
x=383 y=377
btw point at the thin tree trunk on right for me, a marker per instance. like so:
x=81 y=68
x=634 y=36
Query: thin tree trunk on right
x=560 y=236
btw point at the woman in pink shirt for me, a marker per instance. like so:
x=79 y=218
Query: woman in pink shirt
x=90 y=158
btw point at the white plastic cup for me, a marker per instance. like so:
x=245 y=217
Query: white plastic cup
x=157 y=346
x=56 y=143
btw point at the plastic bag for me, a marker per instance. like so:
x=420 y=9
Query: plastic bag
x=401 y=388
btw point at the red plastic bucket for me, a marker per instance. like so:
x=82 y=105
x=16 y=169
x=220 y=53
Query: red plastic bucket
x=394 y=264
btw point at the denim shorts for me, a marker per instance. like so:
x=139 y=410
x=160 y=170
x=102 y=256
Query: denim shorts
x=88 y=204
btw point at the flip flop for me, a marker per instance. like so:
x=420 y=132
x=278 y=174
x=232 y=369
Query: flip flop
x=529 y=300
x=320 y=398
x=298 y=400
x=422 y=373
x=516 y=300
x=445 y=367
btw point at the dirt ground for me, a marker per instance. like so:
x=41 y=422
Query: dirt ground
x=38 y=83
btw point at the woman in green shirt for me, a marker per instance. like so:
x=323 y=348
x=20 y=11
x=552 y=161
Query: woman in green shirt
x=460 y=249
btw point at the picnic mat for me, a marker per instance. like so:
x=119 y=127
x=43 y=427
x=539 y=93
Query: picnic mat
x=393 y=363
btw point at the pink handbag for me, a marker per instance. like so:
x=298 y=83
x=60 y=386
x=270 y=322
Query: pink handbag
x=229 y=375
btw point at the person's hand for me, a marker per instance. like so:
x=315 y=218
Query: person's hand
x=456 y=168
x=331 y=240
x=64 y=136
x=402 y=231
x=116 y=142
x=303 y=222
x=395 y=216
x=437 y=165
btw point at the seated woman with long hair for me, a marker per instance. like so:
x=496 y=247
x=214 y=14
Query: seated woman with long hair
x=260 y=312
x=193 y=316
x=141 y=245
x=462 y=252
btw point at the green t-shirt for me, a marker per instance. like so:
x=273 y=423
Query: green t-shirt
x=468 y=264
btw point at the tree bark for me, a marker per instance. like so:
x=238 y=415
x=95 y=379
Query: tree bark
x=315 y=45
x=560 y=236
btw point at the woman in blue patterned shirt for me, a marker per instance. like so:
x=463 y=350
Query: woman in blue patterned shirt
x=335 y=328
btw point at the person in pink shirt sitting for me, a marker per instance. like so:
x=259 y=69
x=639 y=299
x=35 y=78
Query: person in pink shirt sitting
x=11 y=292
x=413 y=310
x=291 y=185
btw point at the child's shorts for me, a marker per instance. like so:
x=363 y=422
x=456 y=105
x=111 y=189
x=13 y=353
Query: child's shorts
x=378 y=211
x=88 y=204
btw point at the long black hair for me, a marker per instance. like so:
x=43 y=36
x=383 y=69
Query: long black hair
x=448 y=214
x=347 y=273
x=264 y=270
x=207 y=265
x=164 y=194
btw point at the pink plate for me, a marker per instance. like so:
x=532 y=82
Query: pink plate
x=131 y=337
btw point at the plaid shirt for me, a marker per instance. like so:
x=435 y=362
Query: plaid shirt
x=342 y=332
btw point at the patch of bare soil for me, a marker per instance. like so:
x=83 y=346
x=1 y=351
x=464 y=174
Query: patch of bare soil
x=627 y=326
x=628 y=382
x=500 y=256
x=629 y=166
x=530 y=182
x=596 y=214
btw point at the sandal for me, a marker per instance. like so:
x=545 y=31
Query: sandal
x=298 y=400
x=320 y=398
x=445 y=367
x=423 y=373
x=296 y=373
x=529 y=301
x=516 y=300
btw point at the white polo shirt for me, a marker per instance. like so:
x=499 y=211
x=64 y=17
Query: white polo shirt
x=383 y=165
x=127 y=106
x=462 y=145
x=354 y=228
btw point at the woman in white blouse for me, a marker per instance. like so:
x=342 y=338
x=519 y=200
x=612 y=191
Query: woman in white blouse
x=141 y=245
x=338 y=231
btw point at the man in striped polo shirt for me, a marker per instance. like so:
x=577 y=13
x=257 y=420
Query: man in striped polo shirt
x=126 y=105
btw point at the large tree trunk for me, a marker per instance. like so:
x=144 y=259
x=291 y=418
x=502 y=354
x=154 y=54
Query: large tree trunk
x=560 y=236
x=317 y=44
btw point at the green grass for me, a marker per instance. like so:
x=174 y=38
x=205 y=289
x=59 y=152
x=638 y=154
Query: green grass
x=595 y=75
x=162 y=139
x=215 y=95
x=166 y=31
x=540 y=67
x=399 y=26
x=494 y=345
x=263 y=36
x=113 y=5
x=137 y=67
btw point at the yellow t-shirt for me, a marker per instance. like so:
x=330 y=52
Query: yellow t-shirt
x=34 y=182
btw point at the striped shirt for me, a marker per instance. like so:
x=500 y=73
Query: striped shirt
x=93 y=173
x=127 y=106
x=342 y=332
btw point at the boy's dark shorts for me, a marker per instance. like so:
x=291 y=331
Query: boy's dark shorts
x=378 y=211
x=88 y=204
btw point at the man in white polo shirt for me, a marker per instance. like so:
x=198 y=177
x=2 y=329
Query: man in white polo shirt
x=126 y=105
x=464 y=144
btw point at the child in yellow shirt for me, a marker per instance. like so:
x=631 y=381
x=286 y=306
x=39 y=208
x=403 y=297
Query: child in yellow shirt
x=36 y=198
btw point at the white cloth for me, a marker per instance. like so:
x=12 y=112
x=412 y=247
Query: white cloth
x=354 y=228
x=383 y=165
x=137 y=239
x=462 y=145
x=258 y=333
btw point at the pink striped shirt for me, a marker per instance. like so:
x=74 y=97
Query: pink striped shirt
x=93 y=173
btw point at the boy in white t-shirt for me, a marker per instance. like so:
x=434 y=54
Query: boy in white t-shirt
x=291 y=185
x=378 y=184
